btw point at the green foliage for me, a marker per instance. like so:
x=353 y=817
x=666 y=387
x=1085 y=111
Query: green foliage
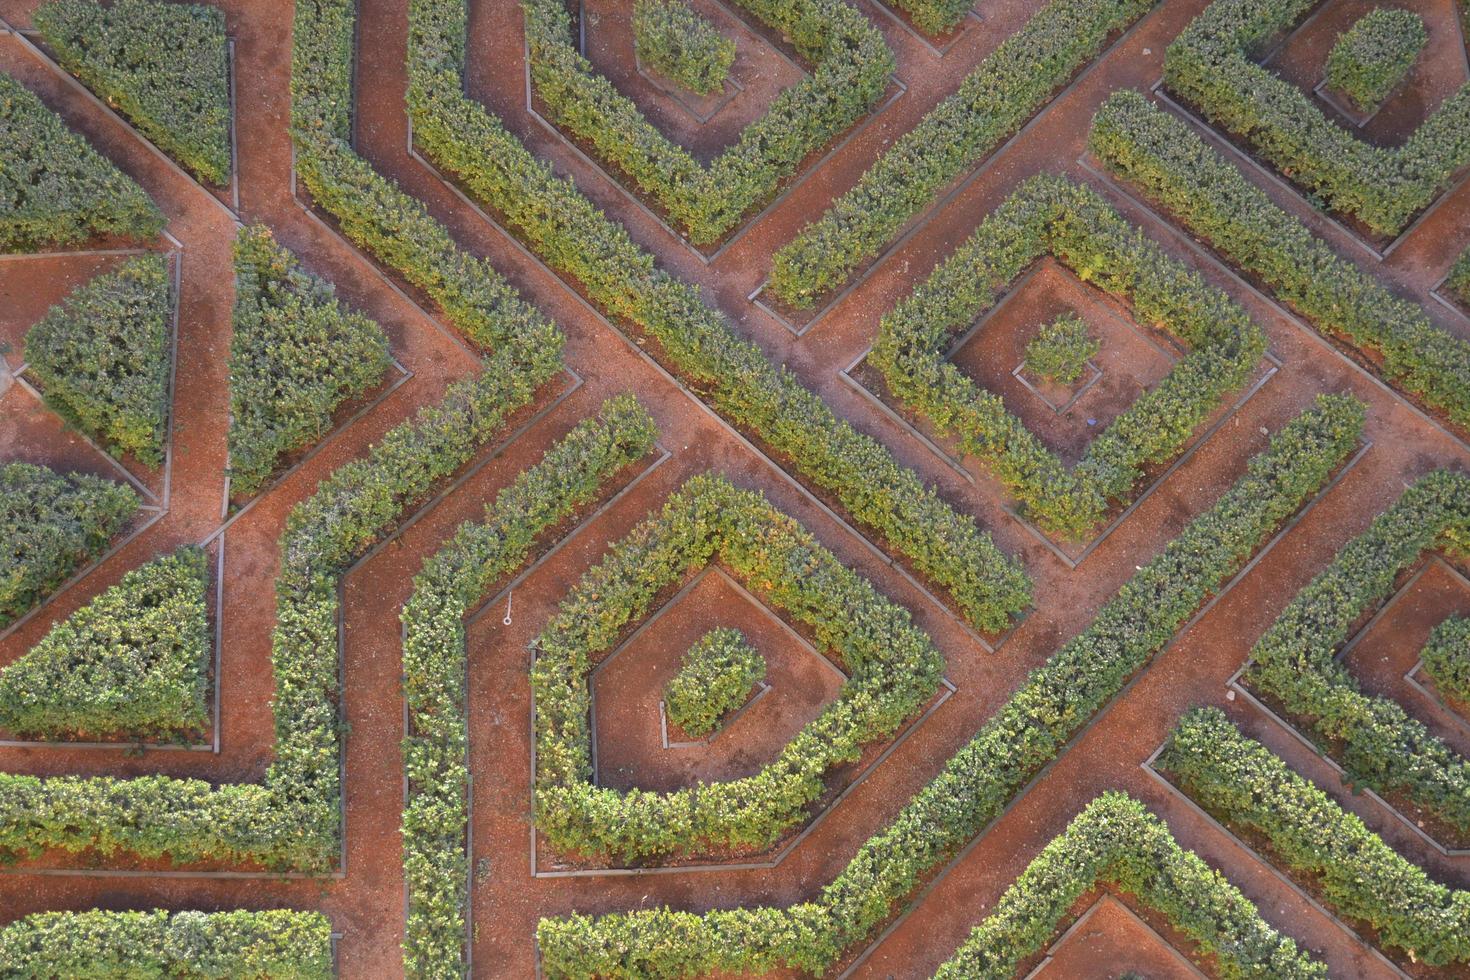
x=1458 y=282
x=1241 y=782
x=1053 y=216
x=164 y=65
x=52 y=524
x=851 y=69
x=1373 y=56
x=673 y=40
x=1209 y=66
x=102 y=358
x=715 y=677
x=132 y=663
x=893 y=669
x=1051 y=706
x=935 y=16
x=740 y=383
x=1215 y=201
x=435 y=813
x=1061 y=349
x=99 y=945
x=1447 y=657
x=1116 y=840
x=295 y=356
x=54 y=188
x=993 y=101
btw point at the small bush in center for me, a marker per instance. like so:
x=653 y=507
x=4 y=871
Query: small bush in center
x=714 y=679
x=679 y=44
x=1060 y=351
x=1372 y=57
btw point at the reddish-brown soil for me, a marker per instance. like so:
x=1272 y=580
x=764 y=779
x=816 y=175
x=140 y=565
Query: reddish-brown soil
x=366 y=902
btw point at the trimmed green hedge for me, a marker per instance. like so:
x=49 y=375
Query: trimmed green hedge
x=452 y=581
x=132 y=663
x=715 y=677
x=102 y=357
x=53 y=524
x=1242 y=783
x=1115 y=839
x=673 y=40
x=1209 y=66
x=1054 y=216
x=851 y=68
x=295 y=356
x=1375 y=54
x=1034 y=725
x=1447 y=657
x=1212 y=199
x=1295 y=663
x=163 y=65
x=1061 y=349
x=1012 y=84
x=54 y=188
x=733 y=374
x=893 y=669
x=99 y=945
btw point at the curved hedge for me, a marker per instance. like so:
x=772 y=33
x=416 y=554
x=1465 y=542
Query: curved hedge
x=1028 y=731
x=1447 y=657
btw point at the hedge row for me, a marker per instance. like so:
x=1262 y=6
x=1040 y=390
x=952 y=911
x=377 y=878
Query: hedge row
x=1214 y=200
x=95 y=945
x=1209 y=66
x=893 y=669
x=52 y=524
x=715 y=677
x=102 y=357
x=1240 y=781
x=132 y=663
x=851 y=69
x=292 y=819
x=1377 y=742
x=1054 y=216
x=1371 y=58
x=994 y=101
x=296 y=354
x=435 y=813
x=54 y=188
x=1051 y=707
x=673 y=40
x=1447 y=657
x=1116 y=840
x=734 y=375
x=166 y=66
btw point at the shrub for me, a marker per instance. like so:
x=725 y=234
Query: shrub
x=1216 y=202
x=1053 y=216
x=1029 y=730
x=994 y=101
x=679 y=44
x=102 y=357
x=740 y=383
x=51 y=525
x=715 y=677
x=95 y=943
x=1447 y=657
x=1209 y=66
x=1241 y=782
x=1372 y=57
x=1061 y=349
x=935 y=16
x=1458 y=281
x=132 y=663
x=164 y=65
x=295 y=356
x=54 y=188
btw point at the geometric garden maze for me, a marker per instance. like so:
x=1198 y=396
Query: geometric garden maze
x=659 y=488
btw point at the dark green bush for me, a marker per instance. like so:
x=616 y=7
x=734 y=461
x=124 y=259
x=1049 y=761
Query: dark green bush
x=1061 y=349
x=1215 y=201
x=295 y=356
x=1447 y=657
x=163 y=65
x=132 y=663
x=1373 y=56
x=54 y=188
x=102 y=358
x=52 y=524
x=715 y=677
x=676 y=42
x=1242 y=783
x=995 y=100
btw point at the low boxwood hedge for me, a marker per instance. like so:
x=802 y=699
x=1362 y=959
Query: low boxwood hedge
x=715 y=677
x=1447 y=657
x=1373 y=56
x=1053 y=216
x=673 y=40
x=1051 y=706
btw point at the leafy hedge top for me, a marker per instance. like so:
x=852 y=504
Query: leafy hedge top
x=1458 y=282
x=1447 y=657
x=1061 y=349
x=103 y=361
x=165 y=65
x=715 y=677
x=54 y=188
x=678 y=43
x=1373 y=56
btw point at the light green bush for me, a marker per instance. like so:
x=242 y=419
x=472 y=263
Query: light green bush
x=715 y=677
x=1373 y=56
